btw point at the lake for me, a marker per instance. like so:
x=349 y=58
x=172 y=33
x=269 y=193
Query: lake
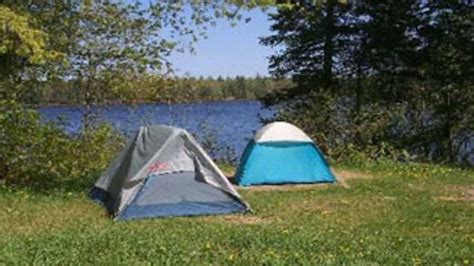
x=231 y=123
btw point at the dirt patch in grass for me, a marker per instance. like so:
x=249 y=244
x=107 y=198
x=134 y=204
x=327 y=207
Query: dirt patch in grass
x=343 y=176
x=246 y=219
x=311 y=206
x=458 y=193
x=230 y=174
x=347 y=175
x=286 y=187
x=346 y=211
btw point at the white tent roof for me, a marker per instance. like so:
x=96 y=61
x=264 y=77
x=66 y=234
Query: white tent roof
x=281 y=131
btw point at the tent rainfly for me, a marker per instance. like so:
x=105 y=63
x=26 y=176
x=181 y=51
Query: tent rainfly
x=164 y=172
x=281 y=153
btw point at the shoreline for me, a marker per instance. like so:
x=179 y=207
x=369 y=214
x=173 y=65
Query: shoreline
x=140 y=103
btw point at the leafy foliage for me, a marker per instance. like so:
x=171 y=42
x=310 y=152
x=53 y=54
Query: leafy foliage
x=374 y=76
x=19 y=38
x=107 y=45
x=43 y=156
x=21 y=44
x=224 y=155
x=104 y=47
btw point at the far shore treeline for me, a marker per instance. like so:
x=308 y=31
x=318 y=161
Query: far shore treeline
x=151 y=89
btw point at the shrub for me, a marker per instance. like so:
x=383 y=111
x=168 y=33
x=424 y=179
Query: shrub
x=219 y=152
x=343 y=132
x=43 y=155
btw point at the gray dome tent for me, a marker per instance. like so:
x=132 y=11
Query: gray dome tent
x=164 y=172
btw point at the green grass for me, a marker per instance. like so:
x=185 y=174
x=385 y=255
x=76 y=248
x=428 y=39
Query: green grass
x=385 y=214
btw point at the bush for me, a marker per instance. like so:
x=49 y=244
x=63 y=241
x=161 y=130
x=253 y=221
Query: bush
x=219 y=152
x=43 y=156
x=343 y=132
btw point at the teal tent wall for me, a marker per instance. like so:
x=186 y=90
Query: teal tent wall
x=282 y=162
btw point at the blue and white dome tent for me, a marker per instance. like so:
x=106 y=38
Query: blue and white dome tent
x=281 y=153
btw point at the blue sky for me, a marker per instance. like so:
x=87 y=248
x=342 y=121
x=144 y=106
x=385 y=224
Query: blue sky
x=228 y=51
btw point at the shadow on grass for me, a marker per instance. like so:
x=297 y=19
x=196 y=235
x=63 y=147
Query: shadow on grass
x=82 y=184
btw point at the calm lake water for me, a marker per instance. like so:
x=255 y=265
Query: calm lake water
x=231 y=123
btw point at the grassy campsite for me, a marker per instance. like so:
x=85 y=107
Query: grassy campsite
x=382 y=214
x=262 y=132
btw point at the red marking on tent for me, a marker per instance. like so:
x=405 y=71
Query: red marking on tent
x=156 y=167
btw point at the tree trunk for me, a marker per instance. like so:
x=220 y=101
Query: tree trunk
x=87 y=107
x=329 y=45
x=358 y=88
x=448 y=128
x=88 y=92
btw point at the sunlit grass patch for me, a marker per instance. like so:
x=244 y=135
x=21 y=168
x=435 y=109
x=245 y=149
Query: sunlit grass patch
x=388 y=214
x=238 y=219
x=457 y=193
x=37 y=214
x=344 y=176
x=287 y=187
